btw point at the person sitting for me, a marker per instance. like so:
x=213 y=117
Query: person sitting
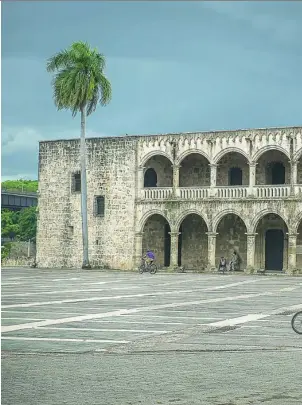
x=234 y=263
x=222 y=264
x=149 y=257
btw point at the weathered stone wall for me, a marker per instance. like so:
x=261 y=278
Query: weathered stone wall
x=194 y=171
x=111 y=168
x=231 y=237
x=194 y=252
x=154 y=238
x=232 y=159
x=163 y=169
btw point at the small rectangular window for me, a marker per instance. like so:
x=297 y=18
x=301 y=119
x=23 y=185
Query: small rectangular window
x=99 y=206
x=76 y=182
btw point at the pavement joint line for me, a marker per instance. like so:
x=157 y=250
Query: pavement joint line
x=103 y=330
x=64 y=339
x=9 y=328
x=120 y=312
x=31 y=304
x=28 y=319
x=66 y=291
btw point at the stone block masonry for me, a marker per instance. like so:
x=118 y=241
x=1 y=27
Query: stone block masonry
x=190 y=197
x=111 y=167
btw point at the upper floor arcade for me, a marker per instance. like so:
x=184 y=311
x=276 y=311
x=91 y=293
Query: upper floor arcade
x=262 y=164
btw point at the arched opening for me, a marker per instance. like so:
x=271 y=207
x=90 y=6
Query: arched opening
x=150 y=178
x=273 y=168
x=231 y=237
x=235 y=176
x=161 y=171
x=156 y=237
x=193 y=243
x=299 y=171
x=299 y=246
x=271 y=251
x=194 y=171
x=232 y=170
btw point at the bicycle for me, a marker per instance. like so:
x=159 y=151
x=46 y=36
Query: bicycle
x=147 y=267
x=297 y=322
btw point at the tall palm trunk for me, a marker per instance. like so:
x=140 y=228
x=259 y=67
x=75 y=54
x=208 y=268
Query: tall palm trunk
x=85 y=264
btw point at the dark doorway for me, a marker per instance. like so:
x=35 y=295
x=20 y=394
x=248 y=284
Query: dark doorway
x=278 y=173
x=150 y=178
x=274 y=244
x=167 y=246
x=179 y=245
x=235 y=176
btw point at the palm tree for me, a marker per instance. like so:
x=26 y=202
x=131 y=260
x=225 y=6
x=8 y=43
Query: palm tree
x=78 y=85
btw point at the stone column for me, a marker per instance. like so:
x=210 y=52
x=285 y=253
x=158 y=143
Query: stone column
x=174 y=249
x=138 y=249
x=213 y=179
x=292 y=251
x=250 y=254
x=211 y=250
x=175 y=179
x=252 y=178
x=293 y=175
x=139 y=181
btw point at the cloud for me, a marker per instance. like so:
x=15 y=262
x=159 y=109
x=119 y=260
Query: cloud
x=280 y=20
x=20 y=148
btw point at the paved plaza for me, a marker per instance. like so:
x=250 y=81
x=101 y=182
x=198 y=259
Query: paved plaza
x=93 y=338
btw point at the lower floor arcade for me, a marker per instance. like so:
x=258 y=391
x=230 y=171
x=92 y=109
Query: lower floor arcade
x=270 y=246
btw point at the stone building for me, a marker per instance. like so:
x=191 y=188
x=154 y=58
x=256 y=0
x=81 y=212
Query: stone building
x=190 y=197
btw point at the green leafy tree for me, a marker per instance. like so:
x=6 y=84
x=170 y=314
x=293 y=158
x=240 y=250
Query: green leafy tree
x=9 y=224
x=79 y=84
x=20 y=185
x=27 y=222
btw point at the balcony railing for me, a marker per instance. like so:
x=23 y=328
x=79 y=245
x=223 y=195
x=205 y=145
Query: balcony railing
x=231 y=192
x=272 y=191
x=228 y=192
x=193 y=193
x=157 y=193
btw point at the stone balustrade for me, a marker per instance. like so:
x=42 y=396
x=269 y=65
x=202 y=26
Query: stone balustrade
x=231 y=192
x=272 y=191
x=227 y=192
x=157 y=193
x=193 y=193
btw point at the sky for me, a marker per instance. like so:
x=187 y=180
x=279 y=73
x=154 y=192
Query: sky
x=174 y=67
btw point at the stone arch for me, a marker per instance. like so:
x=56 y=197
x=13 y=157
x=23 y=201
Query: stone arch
x=298 y=230
x=151 y=154
x=230 y=150
x=261 y=215
x=233 y=168
x=185 y=214
x=225 y=212
x=267 y=148
x=271 y=242
x=192 y=240
x=156 y=236
x=273 y=166
x=194 y=170
x=231 y=237
x=149 y=214
x=190 y=152
x=162 y=165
